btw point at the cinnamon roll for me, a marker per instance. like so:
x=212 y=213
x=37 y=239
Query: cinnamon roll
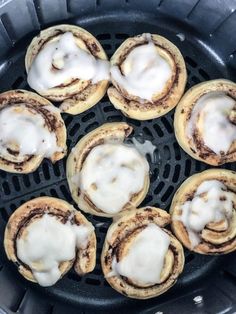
x=66 y=63
x=31 y=128
x=148 y=74
x=106 y=176
x=140 y=258
x=203 y=212
x=46 y=236
x=205 y=122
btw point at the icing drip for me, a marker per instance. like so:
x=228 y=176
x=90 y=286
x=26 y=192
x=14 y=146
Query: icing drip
x=111 y=174
x=211 y=203
x=212 y=112
x=26 y=131
x=181 y=36
x=47 y=242
x=145 y=258
x=145 y=148
x=144 y=72
x=63 y=61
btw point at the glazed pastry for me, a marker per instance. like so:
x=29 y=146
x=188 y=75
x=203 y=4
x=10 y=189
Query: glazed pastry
x=66 y=63
x=203 y=212
x=31 y=128
x=148 y=75
x=106 y=176
x=140 y=258
x=46 y=236
x=205 y=122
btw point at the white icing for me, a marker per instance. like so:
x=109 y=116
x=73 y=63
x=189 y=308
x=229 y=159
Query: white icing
x=211 y=203
x=71 y=61
x=145 y=72
x=27 y=130
x=145 y=258
x=181 y=36
x=145 y=148
x=217 y=130
x=111 y=174
x=46 y=243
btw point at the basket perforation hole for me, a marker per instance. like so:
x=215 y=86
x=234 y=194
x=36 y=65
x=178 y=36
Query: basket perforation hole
x=190 y=62
x=176 y=173
x=17 y=83
x=147 y=132
x=204 y=74
x=107 y=46
x=53 y=193
x=36 y=177
x=166 y=152
x=122 y=36
x=4 y=214
x=56 y=169
x=16 y=183
x=105 y=99
x=13 y=207
x=115 y=118
x=148 y=199
x=65 y=193
x=167 y=194
x=97 y=271
x=68 y=119
x=46 y=172
x=154 y=175
x=167 y=125
x=158 y=130
x=159 y=187
x=195 y=79
x=92 y=281
x=187 y=168
x=91 y=127
x=73 y=276
x=74 y=129
x=88 y=117
x=26 y=180
x=177 y=151
x=6 y=188
x=133 y=122
x=166 y=171
x=103 y=36
x=108 y=109
x=22 y=201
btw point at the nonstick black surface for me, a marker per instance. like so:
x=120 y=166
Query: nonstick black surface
x=209 y=49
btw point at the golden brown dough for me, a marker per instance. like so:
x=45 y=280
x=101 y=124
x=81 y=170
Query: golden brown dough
x=117 y=132
x=195 y=145
x=76 y=95
x=134 y=107
x=34 y=210
x=216 y=237
x=119 y=238
x=34 y=105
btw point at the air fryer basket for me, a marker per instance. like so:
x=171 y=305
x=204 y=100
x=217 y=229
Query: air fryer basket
x=209 y=47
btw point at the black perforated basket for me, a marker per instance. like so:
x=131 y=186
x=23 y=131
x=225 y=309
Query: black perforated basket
x=208 y=284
